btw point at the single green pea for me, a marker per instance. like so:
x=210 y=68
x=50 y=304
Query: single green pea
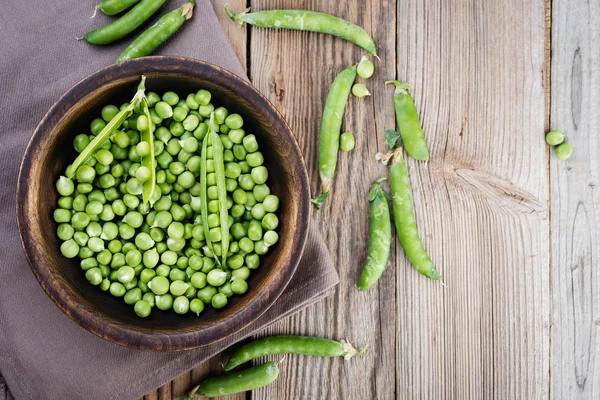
x=213 y=220
x=239 y=286
x=159 y=285
x=255 y=230
x=219 y=300
x=221 y=114
x=95 y=244
x=216 y=277
x=252 y=261
x=270 y=221
x=147 y=274
x=115 y=246
x=226 y=290
x=259 y=175
x=163 y=302
x=234 y=121
x=250 y=143
x=142 y=308
x=246 y=245
x=365 y=68
x=196 y=306
x=241 y=273
x=235 y=261
x=81 y=238
x=186 y=180
x=261 y=247
x=143 y=241
x=347 y=141
x=79 y=220
x=85 y=252
x=117 y=289
x=84 y=188
x=150 y=258
x=360 y=90
x=555 y=137
x=246 y=182
x=169 y=257
x=65 y=232
x=270 y=238
x=127 y=247
x=133 y=258
x=65 y=186
x=149 y=297
x=85 y=173
x=181 y=305
x=89 y=263
x=97 y=125
x=206 y=109
x=179 y=114
x=255 y=159
x=65 y=202
x=258 y=211
x=125 y=274
x=239 y=152
x=104 y=257
x=178 y=288
x=132 y=296
x=94 y=276
x=202 y=97
x=201 y=131
x=104 y=157
x=261 y=192
x=224 y=129
x=564 y=151
x=170 y=98
x=62 y=216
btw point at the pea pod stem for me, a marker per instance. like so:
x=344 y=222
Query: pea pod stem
x=148 y=161
x=305 y=20
x=380 y=237
x=331 y=125
x=407 y=120
x=221 y=188
x=158 y=33
x=404 y=218
x=239 y=381
x=109 y=129
x=306 y=345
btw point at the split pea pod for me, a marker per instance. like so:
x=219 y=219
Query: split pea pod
x=124 y=25
x=306 y=345
x=158 y=33
x=203 y=190
x=108 y=130
x=331 y=125
x=380 y=237
x=404 y=217
x=221 y=187
x=147 y=135
x=113 y=7
x=304 y=20
x=408 y=122
x=239 y=381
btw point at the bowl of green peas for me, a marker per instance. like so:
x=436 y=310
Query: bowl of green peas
x=163 y=203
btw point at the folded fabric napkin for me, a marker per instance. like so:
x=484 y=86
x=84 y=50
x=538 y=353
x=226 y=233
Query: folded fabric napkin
x=43 y=354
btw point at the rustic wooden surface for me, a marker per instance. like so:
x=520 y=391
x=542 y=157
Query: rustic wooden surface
x=511 y=228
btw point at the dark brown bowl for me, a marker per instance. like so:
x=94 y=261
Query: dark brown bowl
x=50 y=150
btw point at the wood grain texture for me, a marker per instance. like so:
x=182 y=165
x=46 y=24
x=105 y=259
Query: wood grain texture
x=575 y=206
x=236 y=36
x=512 y=229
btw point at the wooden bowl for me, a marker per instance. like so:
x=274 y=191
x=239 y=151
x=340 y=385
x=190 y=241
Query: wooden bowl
x=50 y=150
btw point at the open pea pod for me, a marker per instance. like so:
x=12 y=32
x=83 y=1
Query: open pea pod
x=148 y=161
x=221 y=187
x=108 y=130
x=203 y=193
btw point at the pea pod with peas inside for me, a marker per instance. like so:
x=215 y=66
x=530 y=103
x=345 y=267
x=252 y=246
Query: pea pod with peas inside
x=380 y=237
x=239 y=381
x=108 y=129
x=124 y=25
x=146 y=128
x=404 y=217
x=306 y=345
x=408 y=122
x=221 y=186
x=331 y=124
x=304 y=20
x=113 y=7
x=158 y=33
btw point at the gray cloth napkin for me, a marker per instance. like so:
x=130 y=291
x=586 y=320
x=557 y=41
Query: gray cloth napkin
x=43 y=354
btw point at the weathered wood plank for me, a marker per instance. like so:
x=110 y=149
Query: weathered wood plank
x=236 y=36
x=295 y=70
x=477 y=73
x=575 y=206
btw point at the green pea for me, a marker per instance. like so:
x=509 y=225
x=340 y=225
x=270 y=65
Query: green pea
x=226 y=289
x=206 y=109
x=239 y=286
x=224 y=129
x=65 y=186
x=79 y=220
x=163 y=302
x=258 y=211
x=104 y=257
x=62 y=216
x=246 y=182
x=69 y=248
x=127 y=247
x=65 y=202
x=270 y=221
x=97 y=125
x=177 y=212
x=239 y=152
x=105 y=284
x=246 y=245
x=255 y=230
x=360 y=90
x=181 y=305
x=125 y=274
x=365 y=68
x=190 y=123
x=196 y=306
x=261 y=248
x=147 y=274
x=252 y=261
x=176 y=128
x=111 y=194
x=234 y=121
x=84 y=188
x=95 y=244
x=241 y=273
x=201 y=131
x=250 y=143
x=259 y=175
x=168 y=257
x=133 y=258
x=206 y=294
x=65 y=232
x=149 y=297
x=179 y=113
x=142 y=308
x=216 y=277
x=143 y=241
x=85 y=173
x=115 y=246
x=235 y=261
x=119 y=207
x=186 y=180
x=271 y=203
x=170 y=98
x=133 y=296
x=255 y=159
x=117 y=289
x=219 y=300
x=85 y=252
x=80 y=142
x=202 y=97
x=563 y=151
x=159 y=285
x=81 y=238
x=150 y=258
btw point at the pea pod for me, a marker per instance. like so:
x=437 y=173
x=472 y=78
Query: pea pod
x=148 y=161
x=408 y=122
x=221 y=186
x=124 y=25
x=331 y=124
x=404 y=217
x=203 y=192
x=108 y=130
x=380 y=237
x=113 y=7
x=158 y=33
x=304 y=20
x=306 y=345
x=239 y=381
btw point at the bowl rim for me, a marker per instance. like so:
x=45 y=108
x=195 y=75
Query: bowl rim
x=133 y=338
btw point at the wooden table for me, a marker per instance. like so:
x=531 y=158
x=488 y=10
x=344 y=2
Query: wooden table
x=512 y=229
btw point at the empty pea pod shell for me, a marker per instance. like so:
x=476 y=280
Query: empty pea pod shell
x=239 y=381
x=158 y=33
x=124 y=25
x=306 y=345
x=304 y=20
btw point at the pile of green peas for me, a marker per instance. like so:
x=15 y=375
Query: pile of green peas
x=155 y=254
